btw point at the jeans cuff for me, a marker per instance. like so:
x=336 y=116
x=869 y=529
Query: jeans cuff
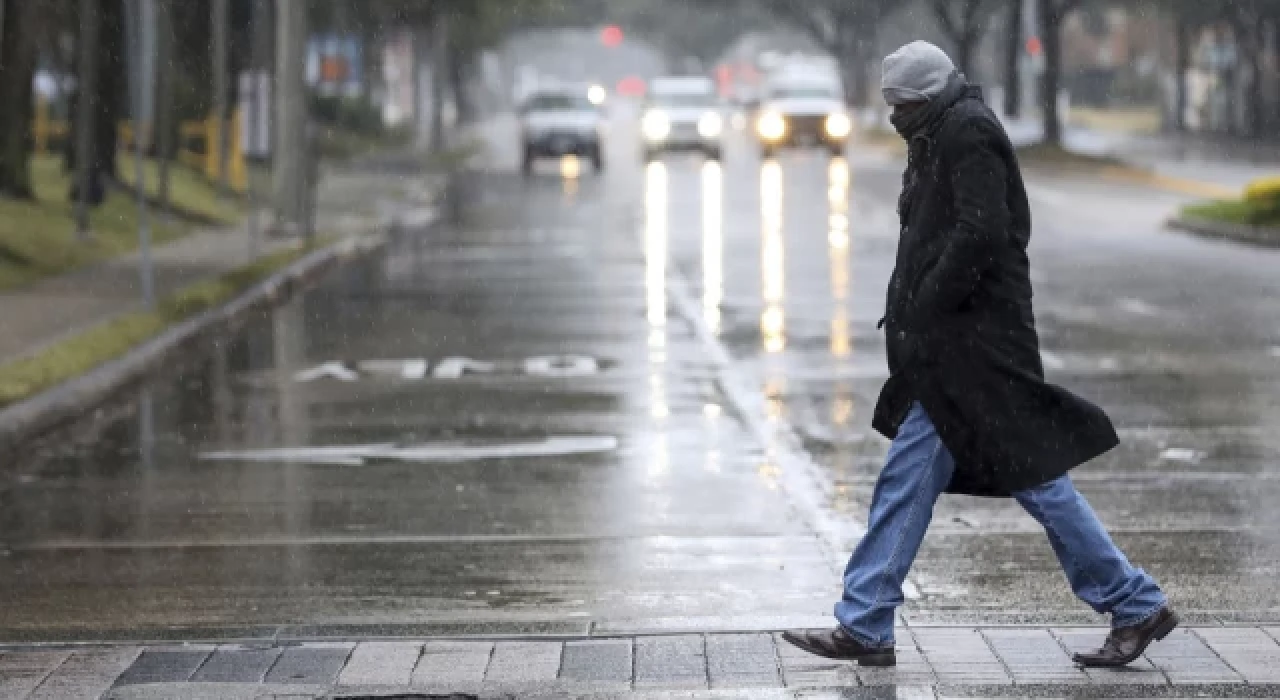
x=1119 y=623
x=864 y=641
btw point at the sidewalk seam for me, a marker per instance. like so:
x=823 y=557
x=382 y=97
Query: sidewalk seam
x=706 y=660
x=777 y=658
x=1192 y=631
x=1008 y=670
x=635 y=654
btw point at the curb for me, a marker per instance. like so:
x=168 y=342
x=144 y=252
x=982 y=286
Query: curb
x=32 y=417
x=1143 y=176
x=1254 y=235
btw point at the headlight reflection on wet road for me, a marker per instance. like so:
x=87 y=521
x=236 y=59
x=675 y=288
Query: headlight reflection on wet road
x=712 y=243
x=838 y=251
x=570 y=172
x=655 y=283
x=773 y=324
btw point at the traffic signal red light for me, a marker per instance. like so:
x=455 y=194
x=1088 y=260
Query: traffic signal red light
x=611 y=35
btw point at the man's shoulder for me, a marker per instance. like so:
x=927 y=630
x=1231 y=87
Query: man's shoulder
x=972 y=120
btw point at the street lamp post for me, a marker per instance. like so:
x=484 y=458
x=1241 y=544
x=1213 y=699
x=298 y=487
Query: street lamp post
x=135 y=31
x=86 y=104
x=219 y=17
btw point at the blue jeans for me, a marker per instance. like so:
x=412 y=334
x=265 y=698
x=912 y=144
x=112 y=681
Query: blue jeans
x=917 y=470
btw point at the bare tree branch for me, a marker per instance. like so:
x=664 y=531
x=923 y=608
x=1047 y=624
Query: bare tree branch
x=942 y=10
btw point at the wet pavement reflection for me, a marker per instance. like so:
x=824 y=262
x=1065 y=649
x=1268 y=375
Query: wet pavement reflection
x=512 y=424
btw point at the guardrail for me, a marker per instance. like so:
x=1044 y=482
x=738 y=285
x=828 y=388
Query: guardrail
x=196 y=143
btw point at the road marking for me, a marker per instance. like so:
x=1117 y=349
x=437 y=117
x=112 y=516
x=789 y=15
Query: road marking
x=1195 y=188
x=1182 y=454
x=1137 y=306
x=354 y=540
x=1274 y=351
x=414 y=369
x=359 y=455
x=330 y=370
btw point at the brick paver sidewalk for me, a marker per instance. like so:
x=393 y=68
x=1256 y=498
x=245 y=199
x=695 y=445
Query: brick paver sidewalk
x=932 y=662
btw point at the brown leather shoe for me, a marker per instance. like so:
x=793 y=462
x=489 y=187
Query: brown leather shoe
x=1125 y=644
x=838 y=644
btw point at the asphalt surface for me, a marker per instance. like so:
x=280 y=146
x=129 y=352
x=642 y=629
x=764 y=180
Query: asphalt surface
x=660 y=424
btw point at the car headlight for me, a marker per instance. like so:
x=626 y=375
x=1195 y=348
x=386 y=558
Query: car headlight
x=655 y=126
x=772 y=127
x=596 y=94
x=710 y=125
x=838 y=125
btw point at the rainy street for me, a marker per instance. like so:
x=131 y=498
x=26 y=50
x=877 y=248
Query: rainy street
x=640 y=402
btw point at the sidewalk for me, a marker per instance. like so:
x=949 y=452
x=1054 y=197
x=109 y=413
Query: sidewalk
x=1220 y=162
x=932 y=662
x=41 y=314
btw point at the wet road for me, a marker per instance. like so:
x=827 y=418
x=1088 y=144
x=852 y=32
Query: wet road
x=640 y=402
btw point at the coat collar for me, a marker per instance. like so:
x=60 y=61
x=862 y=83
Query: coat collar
x=925 y=119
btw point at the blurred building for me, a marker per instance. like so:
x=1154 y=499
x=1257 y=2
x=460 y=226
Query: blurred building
x=1112 y=55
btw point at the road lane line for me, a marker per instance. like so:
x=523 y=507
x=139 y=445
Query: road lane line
x=1137 y=306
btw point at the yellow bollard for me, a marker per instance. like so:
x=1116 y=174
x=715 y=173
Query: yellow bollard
x=239 y=172
x=40 y=127
x=211 y=169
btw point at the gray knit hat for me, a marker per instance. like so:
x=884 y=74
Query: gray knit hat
x=916 y=72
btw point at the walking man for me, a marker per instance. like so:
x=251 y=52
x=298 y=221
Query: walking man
x=966 y=404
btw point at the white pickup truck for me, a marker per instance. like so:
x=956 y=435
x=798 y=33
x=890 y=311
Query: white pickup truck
x=802 y=108
x=682 y=113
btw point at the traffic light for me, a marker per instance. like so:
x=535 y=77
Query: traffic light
x=611 y=35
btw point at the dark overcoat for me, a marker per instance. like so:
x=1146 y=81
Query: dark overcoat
x=960 y=332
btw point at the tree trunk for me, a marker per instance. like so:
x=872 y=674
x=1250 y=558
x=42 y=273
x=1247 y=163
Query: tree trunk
x=87 y=187
x=1182 y=64
x=1256 y=107
x=458 y=87
x=965 y=44
x=17 y=70
x=220 y=20
x=289 y=149
x=112 y=84
x=853 y=64
x=417 y=57
x=1272 y=123
x=846 y=60
x=371 y=66
x=1013 y=60
x=1051 y=38
x=439 y=78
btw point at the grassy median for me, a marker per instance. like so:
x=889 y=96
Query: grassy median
x=1238 y=212
x=79 y=354
x=38 y=237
